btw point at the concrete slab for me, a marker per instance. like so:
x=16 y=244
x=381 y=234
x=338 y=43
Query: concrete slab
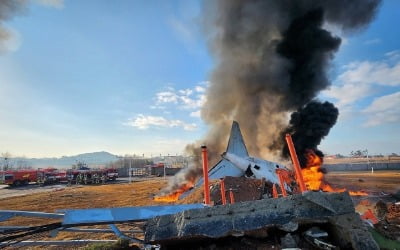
x=285 y=214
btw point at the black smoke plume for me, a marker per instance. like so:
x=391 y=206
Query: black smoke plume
x=271 y=59
x=308 y=126
x=308 y=48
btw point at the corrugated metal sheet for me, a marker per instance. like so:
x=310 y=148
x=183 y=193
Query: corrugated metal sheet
x=121 y=214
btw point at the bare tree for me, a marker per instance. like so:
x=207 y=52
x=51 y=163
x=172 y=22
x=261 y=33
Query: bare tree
x=359 y=153
x=22 y=164
x=7 y=164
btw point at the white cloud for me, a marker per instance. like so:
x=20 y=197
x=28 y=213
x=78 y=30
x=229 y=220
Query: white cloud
x=362 y=80
x=384 y=109
x=157 y=107
x=348 y=93
x=204 y=83
x=368 y=72
x=337 y=31
x=393 y=55
x=347 y=113
x=189 y=103
x=373 y=41
x=58 y=4
x=167 y=97
x=185 y=92
x=189 y=99
x=344 y=41
x=183 y=98
x=195 y=113
x=200 y=89
x=145 y=122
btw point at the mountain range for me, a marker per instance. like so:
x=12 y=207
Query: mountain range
x=91 y=159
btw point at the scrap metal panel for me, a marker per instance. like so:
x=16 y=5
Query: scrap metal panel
x=121 y=214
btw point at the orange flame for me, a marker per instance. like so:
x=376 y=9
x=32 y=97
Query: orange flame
x=314 y=178
x=174 y=196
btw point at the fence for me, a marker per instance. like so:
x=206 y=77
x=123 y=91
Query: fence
x=361 y=166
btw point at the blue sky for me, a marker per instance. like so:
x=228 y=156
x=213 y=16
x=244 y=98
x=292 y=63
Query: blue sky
x=129 y=77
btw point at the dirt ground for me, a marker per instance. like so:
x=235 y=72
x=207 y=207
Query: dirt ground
x=116 y=195
x=377 y=182
x=140 y=193
x=6 y=191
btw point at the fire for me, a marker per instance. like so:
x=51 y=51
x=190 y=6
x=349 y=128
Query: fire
x=174 y=196
x=314 y=178
x=359 y=193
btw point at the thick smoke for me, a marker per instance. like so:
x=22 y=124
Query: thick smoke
x=8 y=9
x=272 y=58
x=308 y=47
x=308 y=126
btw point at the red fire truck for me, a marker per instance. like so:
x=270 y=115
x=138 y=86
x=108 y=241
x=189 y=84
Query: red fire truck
x=51 y=176
x=87 y=175
x=20 y=177
x=39 y=176
x=112 y=173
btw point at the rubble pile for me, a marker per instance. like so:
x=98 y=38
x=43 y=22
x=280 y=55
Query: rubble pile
x=242 y=188
x=393 y=214
x=309 y=220
x=389 y=219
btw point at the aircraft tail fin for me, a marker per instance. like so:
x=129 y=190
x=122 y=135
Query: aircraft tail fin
x=236 y=143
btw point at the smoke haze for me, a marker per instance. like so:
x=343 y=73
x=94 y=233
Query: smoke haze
x=8 y=9
x=271 y=58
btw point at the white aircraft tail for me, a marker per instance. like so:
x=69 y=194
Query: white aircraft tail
x=224 y=167
x=236 y=143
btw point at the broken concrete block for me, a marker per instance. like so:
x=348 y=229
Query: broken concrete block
x=284 y=214
x=288 y=241
x=352 y=232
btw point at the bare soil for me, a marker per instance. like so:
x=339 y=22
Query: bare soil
x=141 y=193
x=377 y=182
x=117 y=195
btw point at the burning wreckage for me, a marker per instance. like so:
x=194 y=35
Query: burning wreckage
x=255 y=214
x=272 y=59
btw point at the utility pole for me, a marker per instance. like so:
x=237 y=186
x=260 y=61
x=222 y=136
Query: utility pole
x=164 y=169
x=372 y=168
x=130 y=169
x=4 y=167
x=2 y=174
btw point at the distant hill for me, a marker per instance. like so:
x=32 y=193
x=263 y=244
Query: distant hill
x=91 y=159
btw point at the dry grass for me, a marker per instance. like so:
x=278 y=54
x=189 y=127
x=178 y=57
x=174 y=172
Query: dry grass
x=141 y=194
x=116 y=195
x=379 y=181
